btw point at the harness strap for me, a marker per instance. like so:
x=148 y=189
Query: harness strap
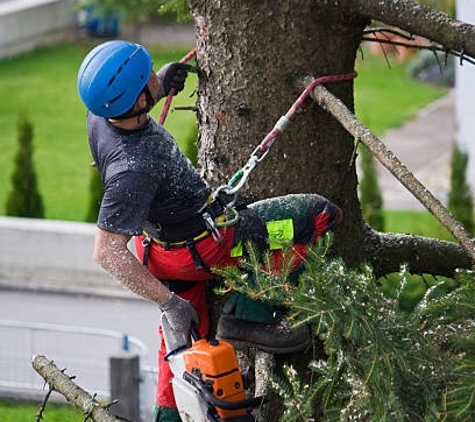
x=195 y=255
x=178 y=286
x=146 y=243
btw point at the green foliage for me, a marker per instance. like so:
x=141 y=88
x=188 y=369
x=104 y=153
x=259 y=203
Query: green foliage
x=178 y=8
x=460 y=202
x=96 y=193
x=386 y=361
x=371 y=198
x=24 y=199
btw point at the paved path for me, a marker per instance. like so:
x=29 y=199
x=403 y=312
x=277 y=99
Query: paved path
x=424 y=145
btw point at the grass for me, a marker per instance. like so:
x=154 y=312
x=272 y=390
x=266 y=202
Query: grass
x=417 y=223
x=385 y=96
x=18 y=411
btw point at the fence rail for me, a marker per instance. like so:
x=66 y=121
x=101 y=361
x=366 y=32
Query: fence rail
x=83 y=352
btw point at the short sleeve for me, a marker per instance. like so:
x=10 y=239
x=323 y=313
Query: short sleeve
x=126 y=203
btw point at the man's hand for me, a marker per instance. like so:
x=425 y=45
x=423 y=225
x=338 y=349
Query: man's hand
x=179 y=313
x=173 y=75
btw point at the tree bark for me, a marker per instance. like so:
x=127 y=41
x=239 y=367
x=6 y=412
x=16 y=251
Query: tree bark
x=251 y=55
x=63 y=384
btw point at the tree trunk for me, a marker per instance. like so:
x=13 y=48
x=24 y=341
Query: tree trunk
x=252 y=55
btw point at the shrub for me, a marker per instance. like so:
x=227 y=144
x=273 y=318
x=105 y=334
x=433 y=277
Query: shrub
x=460 y=202
x=370 y=195
x=25 y=199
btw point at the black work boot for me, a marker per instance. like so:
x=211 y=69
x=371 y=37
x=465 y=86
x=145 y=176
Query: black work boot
x=273 y=338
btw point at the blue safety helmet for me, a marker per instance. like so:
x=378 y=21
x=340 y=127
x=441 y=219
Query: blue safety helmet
x=112 y=76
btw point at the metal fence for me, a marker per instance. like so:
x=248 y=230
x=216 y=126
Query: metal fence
x=81 y=352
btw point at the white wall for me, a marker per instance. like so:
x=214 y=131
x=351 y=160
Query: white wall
x=26 y=24
x=465 y=96
x=51 y=255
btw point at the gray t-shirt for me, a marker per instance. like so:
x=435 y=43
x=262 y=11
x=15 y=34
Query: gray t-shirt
x=145 y=176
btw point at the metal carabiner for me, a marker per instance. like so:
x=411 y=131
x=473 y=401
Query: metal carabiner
x=210 y=224
x=243 y=174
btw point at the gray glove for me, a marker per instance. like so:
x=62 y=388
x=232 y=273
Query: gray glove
x=179 y=313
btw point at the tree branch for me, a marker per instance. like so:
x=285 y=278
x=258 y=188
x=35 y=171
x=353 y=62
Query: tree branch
x=348 y=120
x=421 y=254
x=63 y=384
x=418 y=19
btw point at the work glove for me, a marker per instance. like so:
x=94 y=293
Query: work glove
x=173 y=75
x=179 y=313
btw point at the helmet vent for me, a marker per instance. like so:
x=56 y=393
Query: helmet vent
x=113 y=100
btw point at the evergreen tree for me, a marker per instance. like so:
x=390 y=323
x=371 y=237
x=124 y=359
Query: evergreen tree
x=460 y=202
x=96 y=193
x=370 y=195
x=384 y=361
x=25 y=199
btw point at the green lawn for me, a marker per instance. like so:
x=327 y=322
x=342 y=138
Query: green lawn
x=42 y=84
x=417 y=223
x=385 y=96
x=18 y=411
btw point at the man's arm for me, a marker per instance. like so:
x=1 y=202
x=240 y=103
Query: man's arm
x=112 y=254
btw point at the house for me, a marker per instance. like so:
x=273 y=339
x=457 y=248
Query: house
x=26 y=24
x=465 y=97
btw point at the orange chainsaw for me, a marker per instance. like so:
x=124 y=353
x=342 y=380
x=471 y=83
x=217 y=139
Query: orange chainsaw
x=208 y=384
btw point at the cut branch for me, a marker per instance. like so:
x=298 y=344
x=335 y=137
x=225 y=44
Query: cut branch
x=388 y=159
x=63 y=384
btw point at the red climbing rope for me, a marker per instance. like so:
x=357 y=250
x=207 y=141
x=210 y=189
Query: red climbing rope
x=168 y=101
x=284 y=120
x=240 y=177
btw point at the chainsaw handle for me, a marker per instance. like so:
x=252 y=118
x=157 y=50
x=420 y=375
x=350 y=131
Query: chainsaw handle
x=223 y=404
x=195 y=333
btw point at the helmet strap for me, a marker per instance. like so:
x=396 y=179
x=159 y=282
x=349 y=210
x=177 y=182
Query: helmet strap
x=150 y=103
